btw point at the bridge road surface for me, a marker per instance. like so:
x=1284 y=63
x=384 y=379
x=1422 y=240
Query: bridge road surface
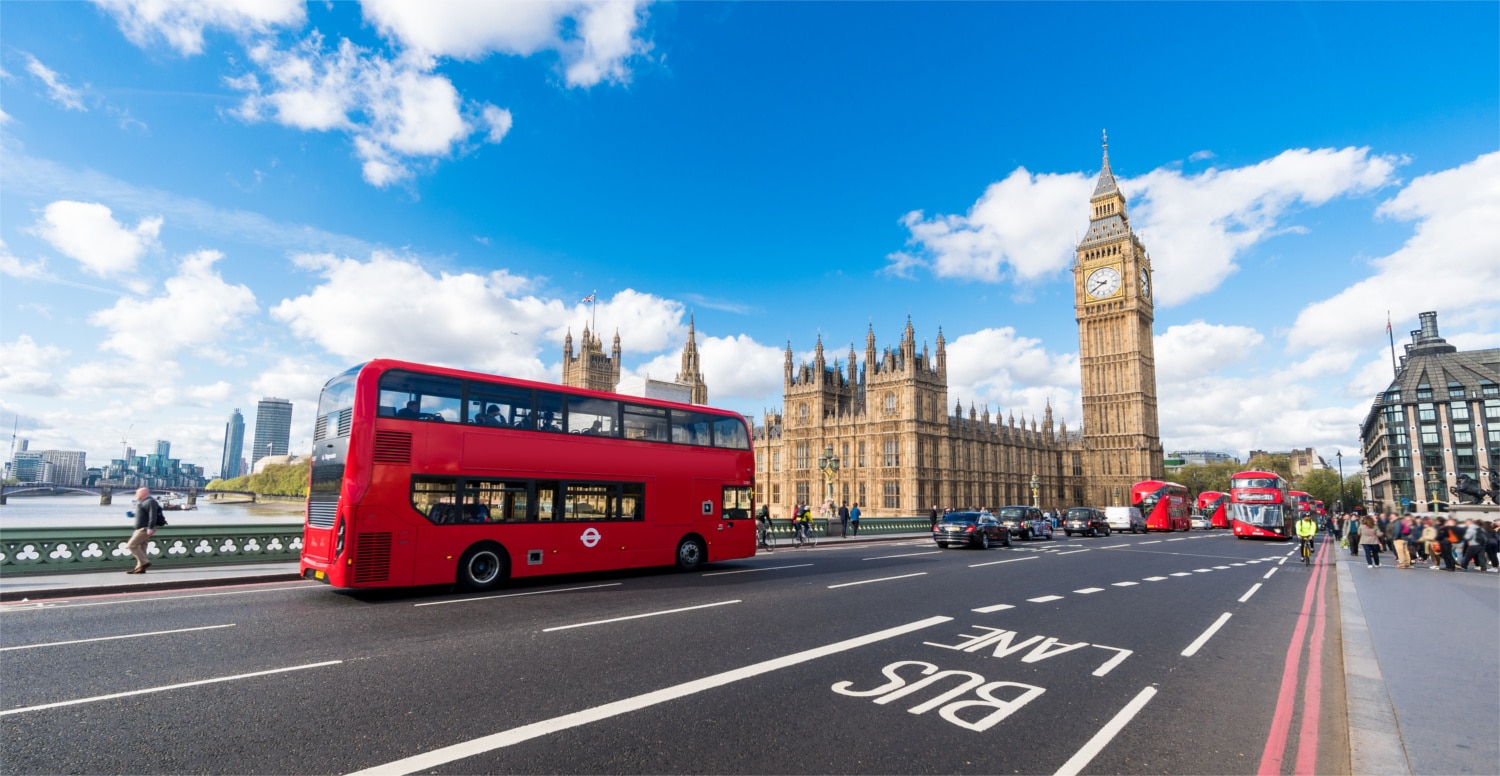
x=1068 y=657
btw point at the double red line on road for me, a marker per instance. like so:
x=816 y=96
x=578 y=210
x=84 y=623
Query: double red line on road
x=1312 y=691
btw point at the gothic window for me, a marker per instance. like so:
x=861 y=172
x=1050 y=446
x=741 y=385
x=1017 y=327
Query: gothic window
x=892 y=454
x=890 y=403
x=776 y=460
x=861 y=455
x=862 y=499
x=803 y=496
x=892 y=492
x=775 y=493
x=802 y=456
x=802 y=412
x=844 y=455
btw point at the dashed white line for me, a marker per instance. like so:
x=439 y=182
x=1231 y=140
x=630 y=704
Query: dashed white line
x=1071 y=552
x=1178 y=539
x=995 y=608
x=997 y=562
x=1180 y=574
x=1155 y=579
x=166 y=688
x=1236 y=564
x=1201 y=571
x=1089 y=590
x=1125 y=584
x=1221 y=568
x=1114 y=546
x=1283 y=562
x=1153 y=541
x=1044 y=599
x=112 y=638
x=906 y=555
x=1095 y=745
x=1269 y=573
x=882 y=579
x=1208 y=634
x=639 y=616
x=747 y=571
x=1249 y=593
x=518 y=595
x=428 y=761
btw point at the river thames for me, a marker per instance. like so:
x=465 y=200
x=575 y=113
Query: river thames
x=84 y=511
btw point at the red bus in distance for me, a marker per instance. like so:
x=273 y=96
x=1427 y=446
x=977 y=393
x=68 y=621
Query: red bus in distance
x=1319 y=509
x=423 y=475
x=1214 y=505
x=1304 y=503
x=1260 y=506
x=1163 y=504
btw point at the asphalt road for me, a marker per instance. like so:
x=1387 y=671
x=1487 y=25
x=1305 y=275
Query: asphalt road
x=1059 y=656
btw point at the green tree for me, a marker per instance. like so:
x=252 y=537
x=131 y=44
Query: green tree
x=1205 y=477
x=1281 y=464
x=274 y=480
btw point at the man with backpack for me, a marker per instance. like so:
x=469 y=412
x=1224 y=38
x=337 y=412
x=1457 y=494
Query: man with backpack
x=147 y=519
x=1449 y=535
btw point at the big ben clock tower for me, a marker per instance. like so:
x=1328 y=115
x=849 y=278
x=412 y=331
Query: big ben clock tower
x=1114 y=304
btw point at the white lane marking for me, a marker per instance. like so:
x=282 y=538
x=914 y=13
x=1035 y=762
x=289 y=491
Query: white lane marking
x=1178 y=539
x=995 y=608
x=112 y=638
x=439 y=757
x=639 y=616
x=1071 y=552
x=1289 y=552
x=42 y=606
x=1126 y=584
x=1269 y=573
x=997 y=562
x=1283 y=562
x=1095 y=745
x=882 y=579
x=1114 y=547
x=1221 y=568
x=112 y=696
x=1249 y=593
x=1154 y=579
x=1208 y=634
x=1088 y=590
x=1180 y=574
x=907 y=555
x=1201 y=571
x=515 y=595
x=747 y=571
x=1044 y=599
x=1236 y=564
x=1153 y=541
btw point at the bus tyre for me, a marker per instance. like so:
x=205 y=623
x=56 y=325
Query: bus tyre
x=690 y=554
x=483 y=567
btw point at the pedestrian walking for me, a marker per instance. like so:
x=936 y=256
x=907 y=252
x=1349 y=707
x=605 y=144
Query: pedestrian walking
x=844 y=519
x=932 y=516
x=1475 y=540
x=147 y=519
x=1351 y=539
x=1369 y=540
x=854 y=518
x=1492 y=546
x=1449 y=538
x=1400 y=540
x=1428 y=541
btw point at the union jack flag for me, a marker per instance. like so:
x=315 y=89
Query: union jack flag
x=590 y=298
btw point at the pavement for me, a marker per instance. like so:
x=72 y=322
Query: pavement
x=1422 y=679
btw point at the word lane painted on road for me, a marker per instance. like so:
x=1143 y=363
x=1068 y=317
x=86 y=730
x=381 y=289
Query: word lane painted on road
x=1002 y=643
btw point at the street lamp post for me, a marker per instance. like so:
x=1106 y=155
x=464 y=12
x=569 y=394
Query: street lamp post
x=1340 y=456
x=829 y=464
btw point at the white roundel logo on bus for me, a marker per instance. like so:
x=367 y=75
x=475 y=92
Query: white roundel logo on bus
x=590 y=537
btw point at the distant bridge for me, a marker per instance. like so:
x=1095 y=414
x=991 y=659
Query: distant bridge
x=106 y=492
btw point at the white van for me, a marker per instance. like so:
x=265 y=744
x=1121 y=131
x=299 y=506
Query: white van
x=1124 y=519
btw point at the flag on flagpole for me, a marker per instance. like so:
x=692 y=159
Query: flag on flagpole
x=1387 y=323
x=590 y=298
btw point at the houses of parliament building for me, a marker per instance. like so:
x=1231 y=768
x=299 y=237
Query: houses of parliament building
x=903 y=447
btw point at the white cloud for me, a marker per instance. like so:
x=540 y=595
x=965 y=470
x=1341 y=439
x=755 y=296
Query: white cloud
x=181 y=22
x=738 y=367
x=26 y=367
x=395 y=109
x=59 y=92
x=10 y=265
x=1017 y=374
x=1449 y=264
x=593 y=38
x=1190 y=350
x=208 y=395
x=395 y=308
x=199 y=308
x=89 y=233
x=1195 y=226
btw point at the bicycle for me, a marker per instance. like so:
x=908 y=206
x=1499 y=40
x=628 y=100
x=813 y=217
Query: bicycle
x=804 y=536
x=766 y=540
x=1307 y=551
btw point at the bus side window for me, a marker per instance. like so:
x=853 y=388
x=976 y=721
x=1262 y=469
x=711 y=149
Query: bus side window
x=632 y=501
x=421 y=397
x=512 y=406
x=593 y=417
x=546 y=500
x=730 y=433
x=436 y=498
x=690 y=428
x=549 y=411
x=647 y=423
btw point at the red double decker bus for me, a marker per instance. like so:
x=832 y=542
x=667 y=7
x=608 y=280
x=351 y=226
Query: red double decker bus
x=423 y=475
x=1214 y=505
x=1261 y=506
x=1163 y=504
x=1304 y=502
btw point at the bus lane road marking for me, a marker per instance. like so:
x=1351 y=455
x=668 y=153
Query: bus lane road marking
x=513 y=736
x=639 y=616
x=882 y=579
x=1206 y=635
x=747 y=571
x=904 y=555
x=1250 y=592
x=1095 y=745
x=516 y=595
x=112 y=638
x=165 y=688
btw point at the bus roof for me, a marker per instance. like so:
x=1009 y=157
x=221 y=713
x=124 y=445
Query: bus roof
x=1254 y=473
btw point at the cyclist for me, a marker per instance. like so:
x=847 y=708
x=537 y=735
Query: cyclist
x=763 y=520
x=1307 y=528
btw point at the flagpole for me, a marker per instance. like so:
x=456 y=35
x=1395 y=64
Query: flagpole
x=594 y=320
x=1392 y=335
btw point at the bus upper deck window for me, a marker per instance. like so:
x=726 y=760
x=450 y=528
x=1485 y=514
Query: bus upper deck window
x=420 y=397
x=730 y=433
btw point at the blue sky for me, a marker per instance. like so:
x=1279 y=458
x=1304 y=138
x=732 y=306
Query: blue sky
x=206 y=203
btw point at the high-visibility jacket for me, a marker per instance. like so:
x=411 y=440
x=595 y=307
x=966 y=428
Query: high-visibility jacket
x=1306 y=529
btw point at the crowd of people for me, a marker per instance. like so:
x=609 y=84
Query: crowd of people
x=1434 y=542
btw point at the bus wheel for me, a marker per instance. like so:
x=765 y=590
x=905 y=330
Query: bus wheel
x=483 y=567
x=690 y=554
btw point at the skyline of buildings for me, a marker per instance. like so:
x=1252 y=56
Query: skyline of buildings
x=273 y=428
x=230 y=465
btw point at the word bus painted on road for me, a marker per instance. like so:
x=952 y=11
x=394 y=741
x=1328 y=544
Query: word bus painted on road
x=423 y=475
x=1163 y=504
x=1260 y=506
x=1214 y=505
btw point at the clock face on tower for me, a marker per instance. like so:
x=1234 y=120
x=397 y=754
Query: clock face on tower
x=1145 y=284
x=1103 y=282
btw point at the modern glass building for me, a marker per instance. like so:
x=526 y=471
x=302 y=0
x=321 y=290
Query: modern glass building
x=273 y=428
x=1439 y=419
x=234 y=446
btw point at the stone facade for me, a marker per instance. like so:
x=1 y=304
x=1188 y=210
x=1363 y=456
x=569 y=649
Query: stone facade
x=1114 y=310
x=591 y=369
